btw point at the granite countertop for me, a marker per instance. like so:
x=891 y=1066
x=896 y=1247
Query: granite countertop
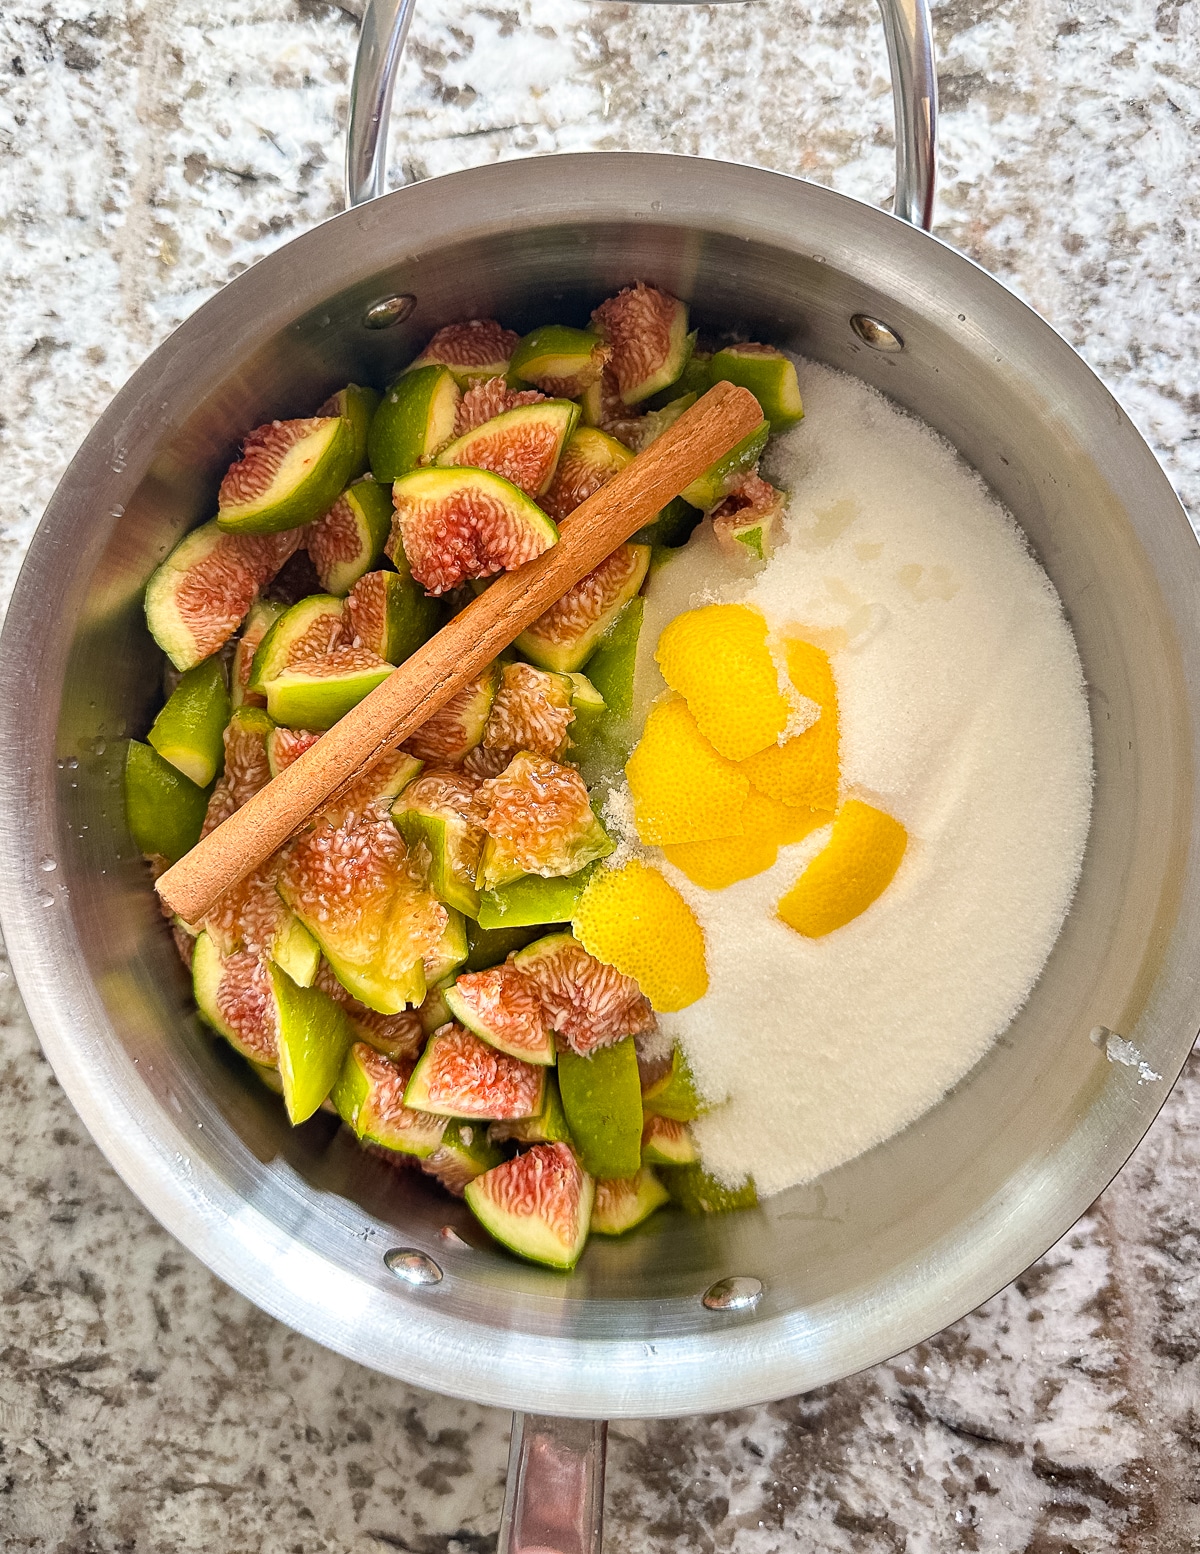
x=150 y=150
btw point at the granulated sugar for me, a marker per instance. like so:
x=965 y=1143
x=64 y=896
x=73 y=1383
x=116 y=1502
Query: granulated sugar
x=964 y=715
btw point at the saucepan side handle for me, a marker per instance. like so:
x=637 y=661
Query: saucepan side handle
x=906 y=24
x=554 y=1498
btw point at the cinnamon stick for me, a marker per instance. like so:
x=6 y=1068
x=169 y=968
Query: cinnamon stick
x=428 y=679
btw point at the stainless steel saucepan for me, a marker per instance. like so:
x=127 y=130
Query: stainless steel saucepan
x=688 y=1315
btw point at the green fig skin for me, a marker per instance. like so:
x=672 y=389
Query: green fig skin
x=489 y=946
x=696 y=1192
x=164 y=809
x=314 y=1038
x=711 y=488
x=770 y=377
x=358 y=405
x=414 y=420
x=602 y=1099
x=189 y=731
x=531 y=900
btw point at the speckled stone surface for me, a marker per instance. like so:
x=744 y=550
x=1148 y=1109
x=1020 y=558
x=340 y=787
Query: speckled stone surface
x=151 y=149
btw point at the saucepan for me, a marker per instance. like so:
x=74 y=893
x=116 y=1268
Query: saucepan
x=690 y=1315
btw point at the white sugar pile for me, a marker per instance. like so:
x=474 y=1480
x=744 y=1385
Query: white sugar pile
x=964 y=714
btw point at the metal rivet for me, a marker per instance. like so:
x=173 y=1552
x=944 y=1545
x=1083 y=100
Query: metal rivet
x=875 y=334
x=388 y=311
x=412 y=1266
x=739 y=1293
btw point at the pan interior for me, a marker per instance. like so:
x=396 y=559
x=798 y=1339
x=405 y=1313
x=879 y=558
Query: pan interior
x=872 y=1256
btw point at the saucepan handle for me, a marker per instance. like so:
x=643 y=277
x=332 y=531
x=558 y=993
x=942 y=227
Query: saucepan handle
x=914 y=90
x=554 y=1499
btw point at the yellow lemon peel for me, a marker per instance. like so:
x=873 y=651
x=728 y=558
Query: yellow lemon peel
x=717 y=658
x=767 y=826
x=631 y=918
x=803 y=771
x=851 y=871
x=683 y=791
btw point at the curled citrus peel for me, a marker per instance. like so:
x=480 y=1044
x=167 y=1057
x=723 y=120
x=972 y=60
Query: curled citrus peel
x=718 y=660
x=850 y=872
x=631 y=918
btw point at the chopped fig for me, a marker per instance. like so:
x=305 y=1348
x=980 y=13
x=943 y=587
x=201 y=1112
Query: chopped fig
x=624 y=1202
x=263 y=615
x=311 y=629
x=548 y=1127
x=235 y=996
x=521 y=445
x=435 y=1011
x=315 y=693
x=590 y=459
x=696 y=1192
x=648 y=332
x=602 y=1099
x=289 y=473
x=561 y=362
x=200 y=595
x=745 y=523
x=439 y=811
x=589 y=1005
x=539 y=820
x=502 y=1007
x=357 y=405
x=487 y=399
x=163 y=809
x=489 y=946
x=458 y=524
x=566 y=635
x=720 y=478
x=349 y=539
x=369 y=1097
x=665 y=1142
x=314 y=1037
x=602 y=407
x=388 y=614
x=415 y=419
x=460 y=1076
x=655 y=422
x=465 y=1152
x=696 y=378
x=445 y=957
x=398 y=1036
x=455 y=729
x=251 y=917
x=769 y=376
x=285 y=745
x=246 y=768
x=532 y=711
x=190 y=730
x=376 y=788
x=478 y=348
x=532 y=900
x=539 y=1205
x=673 y=1094
x=349 y=879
